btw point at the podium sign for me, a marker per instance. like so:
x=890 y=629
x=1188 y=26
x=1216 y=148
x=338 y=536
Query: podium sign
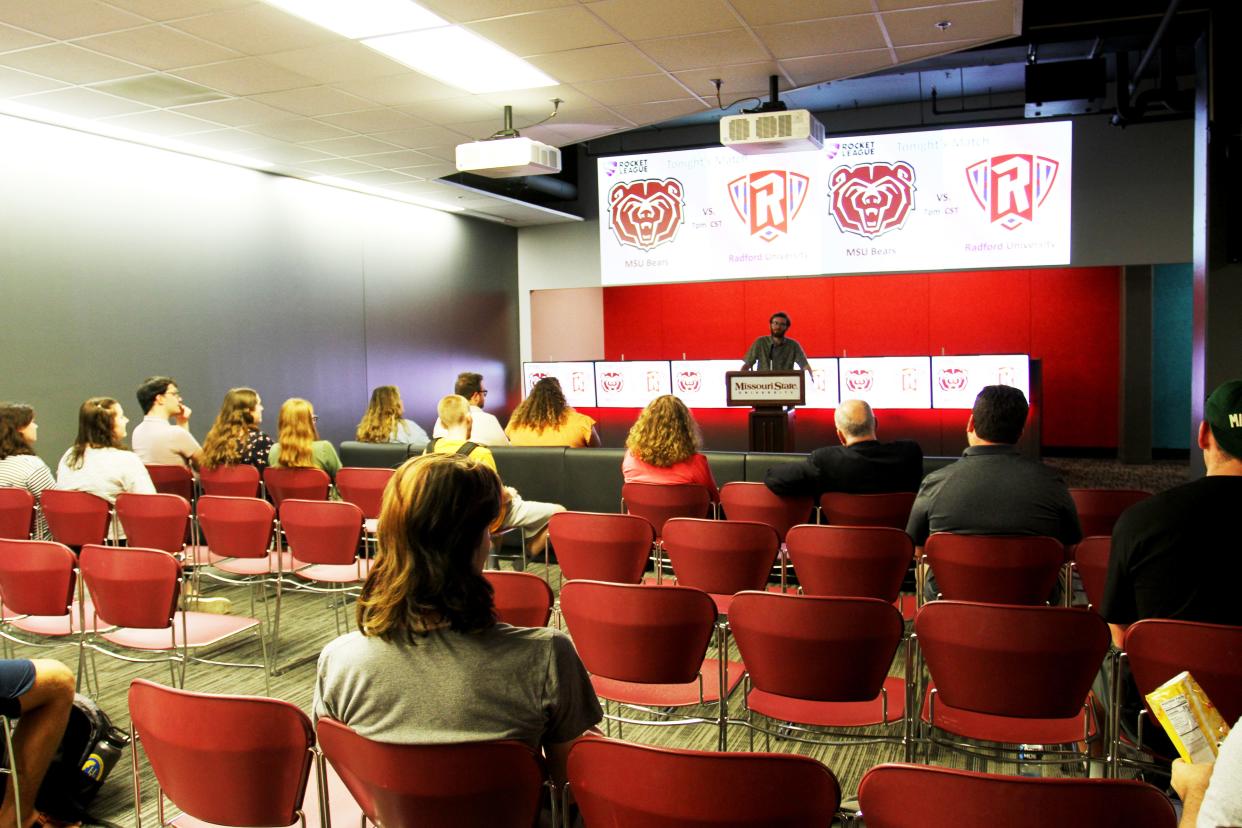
x=765 y=389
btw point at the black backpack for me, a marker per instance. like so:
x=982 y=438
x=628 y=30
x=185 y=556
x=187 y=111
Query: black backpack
x=91 y=747
x=464 y=450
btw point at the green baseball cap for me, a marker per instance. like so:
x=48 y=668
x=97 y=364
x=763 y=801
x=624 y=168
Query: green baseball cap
x=1223 y=412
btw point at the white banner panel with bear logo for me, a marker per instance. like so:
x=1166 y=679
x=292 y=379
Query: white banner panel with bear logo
x=701 y=382
x=957 y=380
x=630 y=384
x=887 y=382
x=577 y=380
x=977 y=197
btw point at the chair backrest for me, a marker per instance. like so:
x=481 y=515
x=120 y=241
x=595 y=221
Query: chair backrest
x=474 y=783
x=228 y=760
x=919 y=796
x=36 y=577
x=322 y=531
x=600 y=546
x=172 y=479
x=795 y=645
x=1159 y=649
x=653 y=635
x=721 y=557
x=131 y=586
x=890 y=509
x=75 y=518
x=755 y=502
x=236 y=527
x=1091 y=561
x=522 y=599
x=623 y=784
x=859 y=561
x=1098 y=509
x=1007 y=660
x=657 y=503
x=16 y=513
x=230 y=481
x=301 y=484
x=363 y=487
x=1003 y=569
x=156 y=521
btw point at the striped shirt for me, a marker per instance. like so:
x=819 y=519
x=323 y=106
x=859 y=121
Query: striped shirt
x=26 y=471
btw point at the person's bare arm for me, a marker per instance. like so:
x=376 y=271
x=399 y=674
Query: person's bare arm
x=558 y=755
x=1190 y=782
x=1119 y=635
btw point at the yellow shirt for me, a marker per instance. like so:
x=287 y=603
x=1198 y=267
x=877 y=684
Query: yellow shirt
x=575 y=432
x=481 y=454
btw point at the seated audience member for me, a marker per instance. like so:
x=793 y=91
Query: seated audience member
x=530 y=515
x=545 y=419
x=860 y=465
x=98 y=462
x=298 y=445
x=487 y=430
x=19 y=465
x=40 y=692
x=385 y=422
x=663 y=447
x=429 y=662
x=1211 y=793
x=156 y=441
x=235 y=438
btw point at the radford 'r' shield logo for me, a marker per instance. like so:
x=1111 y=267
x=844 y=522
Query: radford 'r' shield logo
x=646 y=214
x=768 y=200
x=1012 y=187
x=868 y=200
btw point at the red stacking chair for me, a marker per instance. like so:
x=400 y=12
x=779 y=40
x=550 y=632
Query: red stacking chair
x=595 y=546
x=176 y=480
x=1011 y=674
x=227 y=760
x=917 y=796
x=646 y=646
x=300 y=484
x=230 y=481
x=17 y=513
x=621 y=784
x=1003 y=569
x=794 y=647
x=755 y=502
x=238 y=534
x=1098 y=509
x=75 y=518
x=659 y=503
x=154 y=521
x=473 y=783
x=858 y=561
x=364 y=488
x=37 y=590
x=721 y=557
x=891 y=509
x=1091 y=563
x=522 y=599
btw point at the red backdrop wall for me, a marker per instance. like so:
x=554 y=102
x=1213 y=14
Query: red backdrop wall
x=1066 y=317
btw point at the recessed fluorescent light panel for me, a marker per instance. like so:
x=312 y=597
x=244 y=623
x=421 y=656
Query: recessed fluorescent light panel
x=422 y=41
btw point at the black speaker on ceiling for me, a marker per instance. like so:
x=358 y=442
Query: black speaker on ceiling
x=1066 y=87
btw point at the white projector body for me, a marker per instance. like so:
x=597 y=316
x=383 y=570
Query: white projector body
x=754 y=133
x=508 y=157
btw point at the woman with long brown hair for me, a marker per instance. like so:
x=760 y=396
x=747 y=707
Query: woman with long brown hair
x=545 y=419
x=19 y=465
x=235 y=438
x=426 y=620
x=98 y=461
x=385 y=420
x=298 y=445
x=663 y=447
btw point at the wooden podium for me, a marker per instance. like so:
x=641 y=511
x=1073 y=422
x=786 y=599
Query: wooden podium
x=772 y=396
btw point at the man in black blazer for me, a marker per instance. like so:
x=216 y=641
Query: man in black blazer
x=860 y=465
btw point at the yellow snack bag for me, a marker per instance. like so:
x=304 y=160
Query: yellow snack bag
x=1193 y=723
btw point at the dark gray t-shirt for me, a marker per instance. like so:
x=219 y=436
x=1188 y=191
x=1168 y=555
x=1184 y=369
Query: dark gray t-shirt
x=522 y=683
x=772 y=356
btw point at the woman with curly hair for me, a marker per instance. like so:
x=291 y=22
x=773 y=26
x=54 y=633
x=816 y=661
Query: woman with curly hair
x=19 y=465
x=545 y=419
x=385 y=420
x=299 y=446
x=663 y=447
x=235 y=438
x=426 y=620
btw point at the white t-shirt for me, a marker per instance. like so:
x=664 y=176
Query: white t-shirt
x=105 y=472
x=160 y=443
x=408 y=432
x=485 y=431
x=1222 y=804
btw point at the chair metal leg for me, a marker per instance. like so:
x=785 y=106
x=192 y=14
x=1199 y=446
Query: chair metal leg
x=136 y=776
x=12 y=768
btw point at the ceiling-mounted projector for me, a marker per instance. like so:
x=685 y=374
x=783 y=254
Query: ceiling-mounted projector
x=508 y=157
x=753 y=133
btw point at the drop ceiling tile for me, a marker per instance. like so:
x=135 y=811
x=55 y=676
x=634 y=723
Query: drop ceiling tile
x=577 y=133
x=231 y=140
x=893 y=5
x=765 y=12
x=464 y=11
x=67 y=19
x=445 y=153
x=313 y=101
x=553 y=30
x=595 y=116
x=351 y=146
x=974 y=21
x=292 y=154
x=465 y=109
x=479 y=130
x=299 y=130
x=396 y=159
x=595 y=63
x=653 y=113
x=377 y=178
x=372 y=120
x=14 y=83
x=737 y=80
x=812 y=70
x=634 y=90
x=235 y=112
x=158 y=47
x=420 y=137
x=63 y=62
x=705 y=51
x=172 y=9
x=643 y=19
x=840 y=34
x=256 y=29
x=399 y=90
x=12 y=38
x=430 y=172
x=245 y=76
x=159 y=90
x=159 y=122
x=82 y=103
x=344 y=60
x=909 y=54
x=335 y=166
x=536 y=104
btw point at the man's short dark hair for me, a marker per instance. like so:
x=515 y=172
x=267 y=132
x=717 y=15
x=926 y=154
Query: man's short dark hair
x=782 y=315
x=468 y=384
x=151 y=388
x=1000 y=413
